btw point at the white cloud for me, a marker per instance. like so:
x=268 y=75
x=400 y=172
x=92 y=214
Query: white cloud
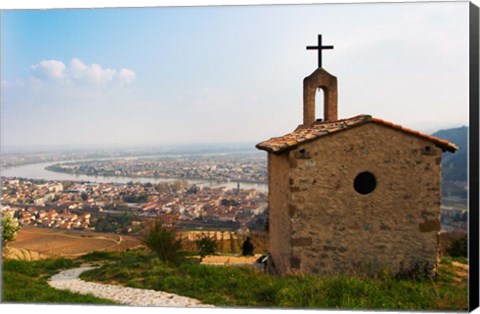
x=49 y=69
x=77 y=68
x=81 y=73
x=126 y=76
x=54 y=84
x=93 y=74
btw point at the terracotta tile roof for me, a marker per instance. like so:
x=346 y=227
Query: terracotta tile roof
x=302 y=135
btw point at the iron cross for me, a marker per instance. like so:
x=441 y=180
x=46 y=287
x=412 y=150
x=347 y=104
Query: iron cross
x=319 y=48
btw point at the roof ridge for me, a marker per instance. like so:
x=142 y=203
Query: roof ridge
x=451 y=147
x=303 y=134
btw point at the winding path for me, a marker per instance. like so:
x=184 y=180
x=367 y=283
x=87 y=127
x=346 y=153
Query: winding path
x=69 y=280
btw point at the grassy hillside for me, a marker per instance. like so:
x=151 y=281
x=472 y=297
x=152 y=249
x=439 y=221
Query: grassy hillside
x=248 y=287
x=26 y=282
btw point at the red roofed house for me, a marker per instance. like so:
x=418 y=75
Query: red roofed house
x=355 y=196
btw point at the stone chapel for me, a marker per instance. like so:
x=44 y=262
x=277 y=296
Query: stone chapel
x=354 y=196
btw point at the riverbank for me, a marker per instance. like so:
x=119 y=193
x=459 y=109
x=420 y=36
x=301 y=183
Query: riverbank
x=133 y=177
x=38 y=172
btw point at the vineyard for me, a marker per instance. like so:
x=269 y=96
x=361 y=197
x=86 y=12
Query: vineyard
x=228 y=242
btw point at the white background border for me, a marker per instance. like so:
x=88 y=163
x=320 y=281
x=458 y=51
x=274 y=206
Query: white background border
x=49 y=4
x=46 y=4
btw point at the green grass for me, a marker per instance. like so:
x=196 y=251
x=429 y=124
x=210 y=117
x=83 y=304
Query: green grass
x=26 y=282
x=246 y=287
x=462 y=260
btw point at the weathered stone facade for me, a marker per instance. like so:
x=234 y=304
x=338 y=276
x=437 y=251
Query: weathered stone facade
x=320 y=224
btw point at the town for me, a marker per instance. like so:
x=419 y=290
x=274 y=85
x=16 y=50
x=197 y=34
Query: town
x=123 y=208
x=239 y=167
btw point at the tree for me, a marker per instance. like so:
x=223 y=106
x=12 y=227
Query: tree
x=9 y=231
x=131 y=198
x=179 y=185
x=162 y=187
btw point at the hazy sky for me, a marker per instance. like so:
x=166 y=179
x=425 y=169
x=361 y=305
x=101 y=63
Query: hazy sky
x=225 y=74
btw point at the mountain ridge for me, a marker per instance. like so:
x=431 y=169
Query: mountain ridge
x=455 y=165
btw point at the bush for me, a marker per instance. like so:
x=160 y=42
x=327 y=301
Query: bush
x=206 y=245
x=9 y=230
x=164 y=242
x=458 y=247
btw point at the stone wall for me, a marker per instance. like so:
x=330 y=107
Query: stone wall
x=278 y=219
x=331 y=228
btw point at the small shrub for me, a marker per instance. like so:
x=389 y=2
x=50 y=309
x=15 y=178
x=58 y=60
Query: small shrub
x=458 y=247
x=164 y=242
x=9 y=230
x=206 y=245
x=97 y=256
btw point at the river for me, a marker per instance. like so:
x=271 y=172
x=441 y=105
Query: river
x=38 y=171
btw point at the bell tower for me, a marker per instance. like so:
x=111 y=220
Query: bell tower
x=320 y=78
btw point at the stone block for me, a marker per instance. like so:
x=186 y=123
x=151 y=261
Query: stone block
x=302 y=241
x=429 y=225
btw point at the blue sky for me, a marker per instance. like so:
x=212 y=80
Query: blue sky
x=224 y=74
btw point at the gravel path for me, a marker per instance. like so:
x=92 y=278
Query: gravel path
x=69 y=280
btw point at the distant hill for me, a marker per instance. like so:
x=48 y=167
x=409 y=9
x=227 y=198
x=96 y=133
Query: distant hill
x=454 y=166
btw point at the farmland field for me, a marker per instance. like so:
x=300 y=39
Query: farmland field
x=35 y=243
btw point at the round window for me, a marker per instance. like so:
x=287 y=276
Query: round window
x=365 y=183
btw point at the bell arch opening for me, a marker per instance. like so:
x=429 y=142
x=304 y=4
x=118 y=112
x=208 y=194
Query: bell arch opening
x=319 y=104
